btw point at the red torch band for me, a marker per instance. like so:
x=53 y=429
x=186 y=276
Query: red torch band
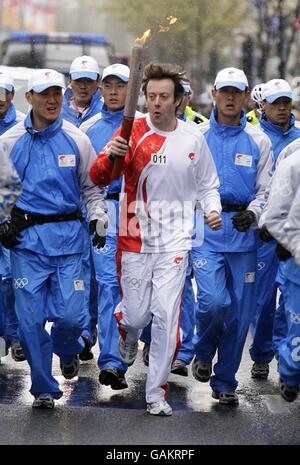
x=133 y=90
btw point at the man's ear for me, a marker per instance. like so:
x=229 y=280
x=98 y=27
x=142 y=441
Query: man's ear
x=28 y=96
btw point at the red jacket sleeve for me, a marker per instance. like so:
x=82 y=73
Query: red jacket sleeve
x=102 y=167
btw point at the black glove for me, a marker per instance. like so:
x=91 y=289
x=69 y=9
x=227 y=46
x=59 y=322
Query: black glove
x=98 y=226
x=8 y=235
x=243 y=220
x=264 y=234
x=282 y=253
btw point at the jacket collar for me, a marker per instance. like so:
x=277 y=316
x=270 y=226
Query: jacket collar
x=229 y=130
x=10 y=116
x=275 y=128
x=114 y=116
x=49 y=131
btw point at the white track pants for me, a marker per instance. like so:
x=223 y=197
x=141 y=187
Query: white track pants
x=152 y=284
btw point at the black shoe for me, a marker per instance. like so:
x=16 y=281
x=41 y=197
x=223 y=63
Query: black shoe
x=17 y=352
x=113 y=378
x=87 y=353
x=179 y=368
x=260 y=370
x=70 y=370
x=201 y=371
x=226 y=398
x=288 y=392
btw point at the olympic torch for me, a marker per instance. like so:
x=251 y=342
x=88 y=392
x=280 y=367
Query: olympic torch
x=137 y=60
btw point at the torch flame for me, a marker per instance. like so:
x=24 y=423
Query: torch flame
x=163 y=28
x=142 y=40
x=171 y=19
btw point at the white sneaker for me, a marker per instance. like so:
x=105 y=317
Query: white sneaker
x=161 y=408
x=128 y=351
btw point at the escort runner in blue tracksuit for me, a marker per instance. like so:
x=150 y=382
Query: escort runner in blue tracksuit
x=46 y=234
x=82 y=102
x=279 y=124
x=102 y=127
x=9 y=116
x=10 y=189
x=82 y=99
x=282 y=221
x=225 y=264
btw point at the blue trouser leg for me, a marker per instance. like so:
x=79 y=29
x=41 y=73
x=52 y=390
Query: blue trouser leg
x=8 y=296
x=280 y=327
x=187 y=319
x=289 y=348
x=146 y=334
x=226 y=294
x=2 y=314
x=32 y=273
x=87 y=270
x=108 y=299
x=93 y=301
x=213 y=300
x=262 y=350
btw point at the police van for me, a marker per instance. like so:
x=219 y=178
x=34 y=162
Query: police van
x=54 y=50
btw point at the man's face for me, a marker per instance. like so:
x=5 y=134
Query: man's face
x=6 y=98
x=114 y=93
x=83 y=90
x=229 y=101
x=278 y=112
x=161 y=103
x=46 y=106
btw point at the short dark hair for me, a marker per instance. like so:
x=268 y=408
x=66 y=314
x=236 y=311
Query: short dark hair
x=159 y=71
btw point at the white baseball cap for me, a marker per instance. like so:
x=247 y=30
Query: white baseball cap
x=6 y=80
x=275 y=89
x=186 y=87
x=120 y=71
x=231 y=77
x=42 y=79
x=84 y=67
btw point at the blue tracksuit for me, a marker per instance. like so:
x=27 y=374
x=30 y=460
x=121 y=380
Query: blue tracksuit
x=224 y=266
x=53 y=165
x=263 y=347
x=105 y=259
x=289 y=348
x=11 y=118
x=69 y=113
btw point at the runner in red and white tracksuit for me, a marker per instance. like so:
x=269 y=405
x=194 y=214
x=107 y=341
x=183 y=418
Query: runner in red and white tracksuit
x=165 y=173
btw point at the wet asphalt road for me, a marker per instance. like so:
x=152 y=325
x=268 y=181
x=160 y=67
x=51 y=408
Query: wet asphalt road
x=89 y=413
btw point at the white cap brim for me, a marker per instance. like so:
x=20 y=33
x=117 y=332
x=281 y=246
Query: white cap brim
x=84 y=74
x=42 y=87
x=272 y=98
x=239 y=85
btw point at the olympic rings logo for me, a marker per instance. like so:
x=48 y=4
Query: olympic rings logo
x=20 y=283
x=135 y=283
x=104 y=249
x=200 y=263
x=295 y=318
x=260 y=266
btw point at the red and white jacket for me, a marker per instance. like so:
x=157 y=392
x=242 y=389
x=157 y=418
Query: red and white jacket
x=165 y=173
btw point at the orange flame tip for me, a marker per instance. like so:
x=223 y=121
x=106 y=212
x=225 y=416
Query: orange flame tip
x=142 y=40
x=172 y=19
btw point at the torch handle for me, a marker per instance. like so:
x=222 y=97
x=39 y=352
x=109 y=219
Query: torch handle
x=127 y=123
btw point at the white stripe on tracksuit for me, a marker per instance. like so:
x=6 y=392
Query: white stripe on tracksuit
x=152 y=284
